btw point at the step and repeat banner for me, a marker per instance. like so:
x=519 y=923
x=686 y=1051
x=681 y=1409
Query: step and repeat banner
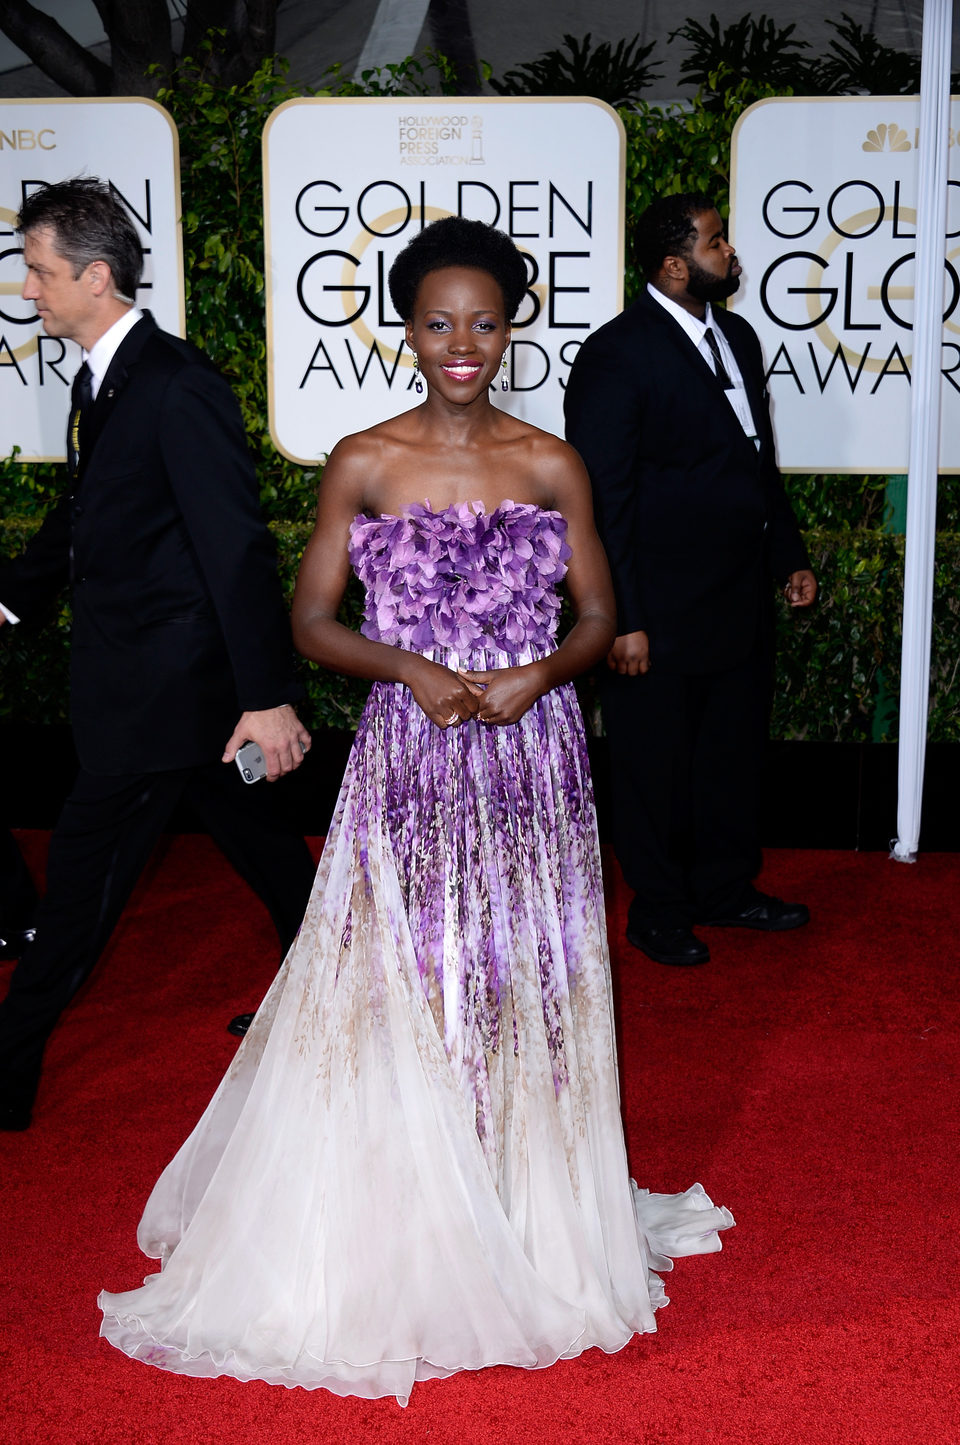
x=823 y=215
x=347 y=183
x=823 y=204
x=133 y=145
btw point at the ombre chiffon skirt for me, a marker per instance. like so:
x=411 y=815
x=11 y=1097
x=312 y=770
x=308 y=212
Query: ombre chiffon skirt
x=415 y=1164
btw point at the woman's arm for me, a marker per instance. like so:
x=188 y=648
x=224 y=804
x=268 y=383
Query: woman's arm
x=322 y=581
x=508 y=693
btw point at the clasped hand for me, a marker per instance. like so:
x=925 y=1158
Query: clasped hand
x=500 y=696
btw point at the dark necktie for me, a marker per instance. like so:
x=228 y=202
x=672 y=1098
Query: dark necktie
x=723 y=375
x=80 y=411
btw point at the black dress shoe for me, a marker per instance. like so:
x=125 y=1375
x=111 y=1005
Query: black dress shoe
x=240 y=1024
x=13 y=941
x=765 y=912
x=669 y=945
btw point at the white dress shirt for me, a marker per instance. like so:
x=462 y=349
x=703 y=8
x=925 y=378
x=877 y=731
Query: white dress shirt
x=100 y=355
x=696 y=330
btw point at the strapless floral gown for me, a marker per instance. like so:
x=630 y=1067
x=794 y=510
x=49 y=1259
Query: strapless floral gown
x=415 y=1164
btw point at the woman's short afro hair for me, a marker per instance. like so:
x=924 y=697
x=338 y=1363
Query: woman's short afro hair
x=454 y=241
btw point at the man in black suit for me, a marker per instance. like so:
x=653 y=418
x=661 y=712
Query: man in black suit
x=668 y=407
x=180 y=648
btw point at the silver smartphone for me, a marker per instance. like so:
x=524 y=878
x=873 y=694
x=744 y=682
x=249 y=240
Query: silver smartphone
x=250 y=761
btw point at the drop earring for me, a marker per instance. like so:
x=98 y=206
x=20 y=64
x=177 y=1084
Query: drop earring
x=504 y=383
x=417 y=378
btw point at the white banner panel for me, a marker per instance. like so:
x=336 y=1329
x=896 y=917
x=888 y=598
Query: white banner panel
x=823 y=215
x=133 y=145
x=347 y=183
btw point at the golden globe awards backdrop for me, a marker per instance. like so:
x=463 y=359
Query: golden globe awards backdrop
x=823 y=210
x=347 y=183
x=133 y=145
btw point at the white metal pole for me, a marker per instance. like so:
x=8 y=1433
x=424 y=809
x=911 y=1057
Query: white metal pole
x=924 y=422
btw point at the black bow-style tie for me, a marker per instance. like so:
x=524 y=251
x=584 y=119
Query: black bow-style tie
x=723 y=375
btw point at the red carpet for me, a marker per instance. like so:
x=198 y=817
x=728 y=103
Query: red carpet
x=809 y=1080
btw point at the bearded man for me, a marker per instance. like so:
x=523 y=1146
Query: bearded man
x=667 y=404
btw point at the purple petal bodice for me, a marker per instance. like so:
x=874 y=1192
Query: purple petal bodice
x=462 y=578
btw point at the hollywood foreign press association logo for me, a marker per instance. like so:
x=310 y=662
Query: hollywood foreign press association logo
x=440 y=140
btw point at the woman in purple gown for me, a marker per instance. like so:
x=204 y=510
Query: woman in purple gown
x=415 y=1164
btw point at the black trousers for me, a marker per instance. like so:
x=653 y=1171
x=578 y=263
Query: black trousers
x=98 y=850
x=686 y=755
x=18 y=897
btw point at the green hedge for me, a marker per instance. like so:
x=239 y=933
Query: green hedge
x=34 y=658
x=838 y=667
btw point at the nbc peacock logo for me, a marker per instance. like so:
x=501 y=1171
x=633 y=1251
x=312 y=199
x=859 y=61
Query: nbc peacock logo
x=887 y=138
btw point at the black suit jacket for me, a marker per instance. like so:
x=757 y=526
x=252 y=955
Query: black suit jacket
x=178 y=619
x=693 y=516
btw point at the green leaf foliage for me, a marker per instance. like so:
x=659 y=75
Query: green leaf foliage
x=221 y=178
x=578 y=68
x=755 y=51
x=829 y=663
x=758 y=52
x=857 y=63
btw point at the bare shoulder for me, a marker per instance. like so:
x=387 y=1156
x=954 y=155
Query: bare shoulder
x=380 y=442
x=358 y=457
x=553 y=451
x=352 y=451
x=552 y=462
x=538 y=465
